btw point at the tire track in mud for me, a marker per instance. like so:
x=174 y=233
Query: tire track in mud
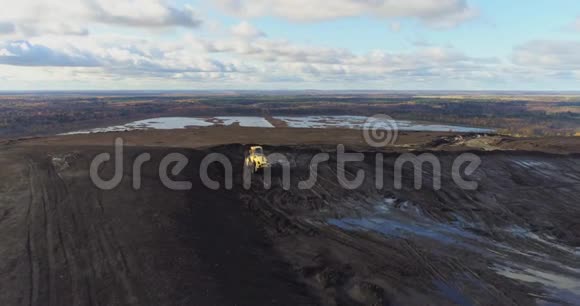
x=80 y=272
x=43 y=242
x=49 y=220
x=32 y=247
x=99 y=252
x=113 y=255
x=70 y=245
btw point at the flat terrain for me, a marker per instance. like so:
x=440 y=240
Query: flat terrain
x=513 y=241
x=213 y=136
x=527 y=114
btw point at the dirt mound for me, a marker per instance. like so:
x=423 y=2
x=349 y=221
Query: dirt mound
x=513 y=241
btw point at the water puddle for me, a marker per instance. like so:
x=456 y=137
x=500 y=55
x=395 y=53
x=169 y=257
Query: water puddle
x=352 y=122
x=394 y=228
x=246 y=121
x=543 y=242
x=358 y=122
x=559 y=287
x=169 y=123
x=405 y=219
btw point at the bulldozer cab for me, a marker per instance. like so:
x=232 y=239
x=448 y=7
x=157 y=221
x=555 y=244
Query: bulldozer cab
x=256 y=150
x=255 y=159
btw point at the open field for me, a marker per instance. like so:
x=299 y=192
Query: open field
x=513 y=241
x=526 y=115
x=214 y=136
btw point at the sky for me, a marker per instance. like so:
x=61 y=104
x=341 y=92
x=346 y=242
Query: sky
x=290 y=44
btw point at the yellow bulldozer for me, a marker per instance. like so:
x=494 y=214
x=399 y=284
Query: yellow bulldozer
x=255 y=159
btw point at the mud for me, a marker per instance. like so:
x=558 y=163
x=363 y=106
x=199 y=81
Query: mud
x=513 y=241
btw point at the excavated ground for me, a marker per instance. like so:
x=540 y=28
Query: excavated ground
x=513 y=241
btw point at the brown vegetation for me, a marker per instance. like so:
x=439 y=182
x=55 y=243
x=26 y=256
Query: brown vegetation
x=527 y=116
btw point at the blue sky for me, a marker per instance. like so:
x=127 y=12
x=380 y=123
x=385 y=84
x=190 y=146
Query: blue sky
x=298 y=44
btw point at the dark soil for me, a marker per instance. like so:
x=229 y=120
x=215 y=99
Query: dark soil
x=513 y=241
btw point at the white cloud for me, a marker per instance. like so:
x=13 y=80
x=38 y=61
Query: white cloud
x=142 y=13
x=246 y=30
x=73 y=17
x=436 y=13
x=450 y=19
x=548 y=54
x=239 y=60
x=35 y=29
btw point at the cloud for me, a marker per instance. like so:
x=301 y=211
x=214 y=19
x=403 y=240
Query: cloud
x=7 y=28
x=278 y=51
x=268 y=50
x=113 y=58
x=452 y=18
x=34 y=29
x=64 y=35
x=435 y=13
x=23 y=53
x=548 y=54
x=269 y=59
x=142 y=13
x=74 y=17
x=240 y=60
x=246 y=30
